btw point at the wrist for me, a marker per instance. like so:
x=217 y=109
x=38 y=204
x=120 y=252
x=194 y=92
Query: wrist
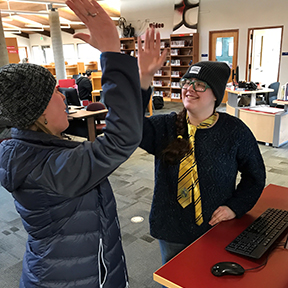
x=145 y=81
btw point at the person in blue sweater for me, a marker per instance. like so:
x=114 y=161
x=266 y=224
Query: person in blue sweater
x=60 y=187
x=198 y=154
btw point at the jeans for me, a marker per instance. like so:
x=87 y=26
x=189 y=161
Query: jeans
x=169 y=250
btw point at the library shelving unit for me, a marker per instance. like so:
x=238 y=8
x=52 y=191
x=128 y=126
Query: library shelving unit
x=128 y=45
x=70 y=69
x=184 y=50
x=162 y=78
x=92 y=65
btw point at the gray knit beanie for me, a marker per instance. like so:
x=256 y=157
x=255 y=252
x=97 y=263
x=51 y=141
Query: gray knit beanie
x=215 y=74
x=25 y=91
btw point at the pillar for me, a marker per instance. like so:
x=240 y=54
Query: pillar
x=4 y=59
x=57 y=45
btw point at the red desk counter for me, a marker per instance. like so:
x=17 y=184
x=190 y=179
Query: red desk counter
x=192 y=267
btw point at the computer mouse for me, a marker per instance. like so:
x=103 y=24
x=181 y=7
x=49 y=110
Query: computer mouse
x=227 y=268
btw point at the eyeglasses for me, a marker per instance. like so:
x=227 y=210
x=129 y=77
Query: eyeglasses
x=198 y=86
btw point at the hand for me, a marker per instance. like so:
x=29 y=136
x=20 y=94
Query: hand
x=222 y=213
x=149 y=58
x=103 y=33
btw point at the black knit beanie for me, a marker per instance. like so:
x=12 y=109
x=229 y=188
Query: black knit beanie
x=25 y=91
x=215 y=74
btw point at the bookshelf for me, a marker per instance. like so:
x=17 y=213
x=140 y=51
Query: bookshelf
x=162 y=78
x=183 y=49
x=128 y=46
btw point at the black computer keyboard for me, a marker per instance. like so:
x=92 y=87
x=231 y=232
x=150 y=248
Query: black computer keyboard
x=257 y=238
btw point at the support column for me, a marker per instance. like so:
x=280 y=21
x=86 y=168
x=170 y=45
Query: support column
x=57 y=45
x=4 y=59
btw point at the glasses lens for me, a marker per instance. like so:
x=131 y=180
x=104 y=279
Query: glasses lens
x=184 y=83
x=200 y=86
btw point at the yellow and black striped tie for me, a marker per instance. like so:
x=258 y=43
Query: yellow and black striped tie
x=188 y=176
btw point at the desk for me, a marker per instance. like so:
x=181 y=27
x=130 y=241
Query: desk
x=191 y=267
x=234 y=94
x=282 y=102
x=268 y=127
x=90 y=116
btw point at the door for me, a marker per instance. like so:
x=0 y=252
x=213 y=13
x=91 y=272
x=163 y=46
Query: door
x=223 y=46
x=263 y=60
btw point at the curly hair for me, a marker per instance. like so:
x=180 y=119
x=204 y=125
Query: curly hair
x=177 y=149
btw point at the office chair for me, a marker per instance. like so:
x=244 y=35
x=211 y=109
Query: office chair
x=71 y=95
x=95 y=106
x=66 y=83
x=273 y=95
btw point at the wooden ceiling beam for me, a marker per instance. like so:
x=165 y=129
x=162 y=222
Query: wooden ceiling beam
x=22 y=34
x=68 y=30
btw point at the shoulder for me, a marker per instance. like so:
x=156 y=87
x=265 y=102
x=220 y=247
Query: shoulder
x=163 y=120
x=79 y=79
x=232 y=122
x=235 y=128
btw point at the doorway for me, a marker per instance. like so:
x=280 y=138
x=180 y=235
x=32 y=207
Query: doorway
x=264 y=54
x=223 y=46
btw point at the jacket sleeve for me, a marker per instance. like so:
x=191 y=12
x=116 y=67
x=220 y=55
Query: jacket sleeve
x=76 y=171
x=252 y=169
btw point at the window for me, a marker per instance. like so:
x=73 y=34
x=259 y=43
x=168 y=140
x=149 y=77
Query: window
x=47 y=54
x=42 y=55
x=22 y=53
x=37 y=55
x=69 y=53
x=87 y=53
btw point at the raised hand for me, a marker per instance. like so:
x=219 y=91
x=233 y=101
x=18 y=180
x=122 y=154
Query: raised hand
x=149 y=58
x=103 y=32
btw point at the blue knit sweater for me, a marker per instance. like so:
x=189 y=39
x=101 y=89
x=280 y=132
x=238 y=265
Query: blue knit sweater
x=221 y=151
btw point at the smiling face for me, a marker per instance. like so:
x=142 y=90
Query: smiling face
x=198 y=103
x=55 y=113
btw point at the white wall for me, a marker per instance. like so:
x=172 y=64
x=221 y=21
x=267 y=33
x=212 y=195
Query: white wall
x=148 y=11
x=244 y=14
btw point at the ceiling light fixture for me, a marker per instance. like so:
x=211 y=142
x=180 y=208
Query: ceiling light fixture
x=6 y=19
x=46 y=26
x=12 y=31
x=40 y=2
x=19 y=12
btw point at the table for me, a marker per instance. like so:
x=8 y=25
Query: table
x=90 y=116
x=282 y=102
x=234 y=94
x=268 y=124
x=191 y=267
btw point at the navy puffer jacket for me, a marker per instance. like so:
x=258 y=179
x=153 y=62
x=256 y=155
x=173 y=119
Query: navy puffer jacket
x=63 y=196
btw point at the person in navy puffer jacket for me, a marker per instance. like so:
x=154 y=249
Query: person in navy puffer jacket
x=60 y=187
